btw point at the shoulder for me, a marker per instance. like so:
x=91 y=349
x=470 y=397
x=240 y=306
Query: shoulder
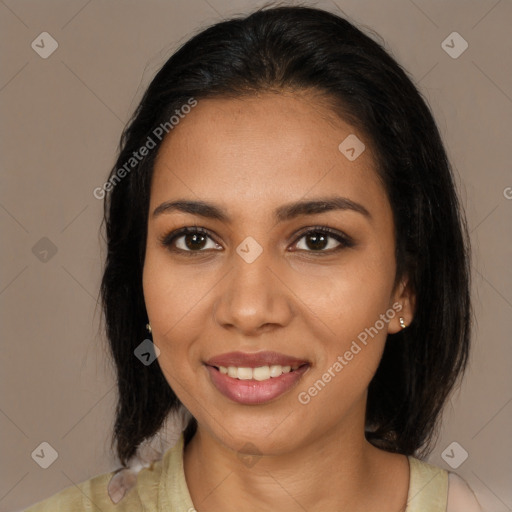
x=92 y=495
x=439 y=489
x=460 y=496
x=428 y=487
x=80 y=497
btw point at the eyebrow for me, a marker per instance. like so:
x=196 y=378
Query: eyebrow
x=282 y=213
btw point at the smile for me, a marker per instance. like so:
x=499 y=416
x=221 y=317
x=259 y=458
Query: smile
x=260 y=373
x=253 y=379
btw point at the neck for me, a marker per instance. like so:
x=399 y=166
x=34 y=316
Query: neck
x=338 y=470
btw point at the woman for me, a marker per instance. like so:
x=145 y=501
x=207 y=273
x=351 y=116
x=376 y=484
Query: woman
x=282 y=219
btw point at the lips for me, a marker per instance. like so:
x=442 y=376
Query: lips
x=253 y=379
x=254 y=360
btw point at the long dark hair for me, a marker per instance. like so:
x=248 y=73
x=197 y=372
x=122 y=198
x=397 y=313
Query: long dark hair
x=297 y=49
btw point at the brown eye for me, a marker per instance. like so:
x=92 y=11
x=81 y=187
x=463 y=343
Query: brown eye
x=189 y=240
x=321 y=240
x=194 y=241
x=324 y=240
x=317 y=241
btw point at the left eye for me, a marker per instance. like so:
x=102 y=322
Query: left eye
x=322 y=240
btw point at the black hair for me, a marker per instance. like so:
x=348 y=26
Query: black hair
x=299 y=49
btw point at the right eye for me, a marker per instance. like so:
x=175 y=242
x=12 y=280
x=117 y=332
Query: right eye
x=189 y=240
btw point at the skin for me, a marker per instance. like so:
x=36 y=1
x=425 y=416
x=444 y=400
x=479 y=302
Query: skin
x=249 y=156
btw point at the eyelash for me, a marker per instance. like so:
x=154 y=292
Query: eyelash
x=345 y=241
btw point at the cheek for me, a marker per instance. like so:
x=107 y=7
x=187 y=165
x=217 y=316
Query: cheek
x=351 y=351
x=167 y=302
x=349 y=310
x=172 y=293
x=176 y=301
x=347 y=297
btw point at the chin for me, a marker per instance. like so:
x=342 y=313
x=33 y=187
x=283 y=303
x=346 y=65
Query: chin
x=263 y=436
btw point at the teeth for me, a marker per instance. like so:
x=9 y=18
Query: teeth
x=245 y=373
x=275 y=370
x=260 y=373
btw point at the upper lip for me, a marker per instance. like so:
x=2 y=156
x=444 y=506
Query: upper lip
x=254 y=360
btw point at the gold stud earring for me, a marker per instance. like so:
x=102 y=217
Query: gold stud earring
x=148 y=327
x=402 y=323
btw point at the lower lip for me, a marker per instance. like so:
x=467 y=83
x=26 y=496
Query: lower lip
x=253 y=392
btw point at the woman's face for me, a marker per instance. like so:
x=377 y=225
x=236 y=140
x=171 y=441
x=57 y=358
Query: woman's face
x=262 y=280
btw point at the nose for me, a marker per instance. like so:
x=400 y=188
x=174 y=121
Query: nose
x=254 y=297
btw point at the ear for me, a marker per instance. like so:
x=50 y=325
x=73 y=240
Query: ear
x=403 y=302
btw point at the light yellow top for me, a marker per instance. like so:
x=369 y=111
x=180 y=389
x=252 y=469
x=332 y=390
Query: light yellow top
x=163 y=488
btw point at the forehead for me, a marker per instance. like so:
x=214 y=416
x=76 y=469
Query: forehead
x=263 y=150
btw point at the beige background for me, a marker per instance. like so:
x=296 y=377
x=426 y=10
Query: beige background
x=61 y=121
